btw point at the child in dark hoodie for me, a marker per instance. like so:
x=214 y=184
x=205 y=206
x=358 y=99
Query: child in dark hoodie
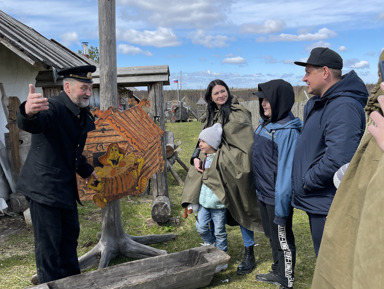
x=273 y=150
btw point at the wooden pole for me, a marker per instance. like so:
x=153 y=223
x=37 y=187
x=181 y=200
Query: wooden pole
x=161 y=208
x=108 y=60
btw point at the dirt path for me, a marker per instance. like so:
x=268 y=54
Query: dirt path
x=12 y=225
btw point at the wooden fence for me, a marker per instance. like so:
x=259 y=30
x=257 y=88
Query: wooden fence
x=253 y=107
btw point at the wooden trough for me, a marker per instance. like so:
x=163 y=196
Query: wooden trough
x=192 y=268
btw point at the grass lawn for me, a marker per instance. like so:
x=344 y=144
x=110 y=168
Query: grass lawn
x=17 y=254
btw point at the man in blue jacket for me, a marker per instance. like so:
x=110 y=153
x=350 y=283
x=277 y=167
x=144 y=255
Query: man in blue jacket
x=334 y=122
x=59 y=128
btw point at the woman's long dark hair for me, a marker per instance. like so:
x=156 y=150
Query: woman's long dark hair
x=225 y=109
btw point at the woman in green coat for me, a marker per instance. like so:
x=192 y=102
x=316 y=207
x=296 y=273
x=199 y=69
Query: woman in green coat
x=231 y=177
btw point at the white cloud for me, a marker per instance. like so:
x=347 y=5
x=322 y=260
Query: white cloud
x=234 y=60
x=299 y=13
x=269 y=26
x=69 y=38
x=360 y=64
x=209 y=41
x=174 y=13
x=132 y=50
x=162 y=37
x=208 y=72
x=318 y=44
x=323 y=33
x=343 y=48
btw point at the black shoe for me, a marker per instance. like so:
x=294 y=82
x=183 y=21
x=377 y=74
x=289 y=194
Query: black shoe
x=248 y=264
x=283 y=287
x=270 y=277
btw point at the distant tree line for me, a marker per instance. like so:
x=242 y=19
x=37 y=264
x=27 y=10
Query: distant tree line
x=192 y=96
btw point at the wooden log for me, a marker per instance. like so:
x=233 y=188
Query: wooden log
x=188 y=269
x=10 y=107
x=13 y=106
x=172 y=160
x=4 y=100
x=18 y=203
x=169 y=144
x=161 y=209
x=181 y=163
x=174 y=174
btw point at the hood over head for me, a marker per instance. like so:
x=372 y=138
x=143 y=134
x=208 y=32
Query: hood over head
x=280 y=95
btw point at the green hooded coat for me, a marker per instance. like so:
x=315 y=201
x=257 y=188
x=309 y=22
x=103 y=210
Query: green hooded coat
x=230 y=175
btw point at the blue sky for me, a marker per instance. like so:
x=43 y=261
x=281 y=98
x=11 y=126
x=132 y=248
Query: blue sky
x=243 y=42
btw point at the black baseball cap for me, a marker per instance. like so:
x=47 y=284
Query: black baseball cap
x=80 y=73
x=322 y=56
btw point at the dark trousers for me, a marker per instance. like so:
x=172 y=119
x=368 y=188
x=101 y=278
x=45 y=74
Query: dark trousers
x=282 y=243
x=56 y=232
x=316 y=223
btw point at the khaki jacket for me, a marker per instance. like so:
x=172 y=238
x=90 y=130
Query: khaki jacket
x=230 y=175
x=351 y=251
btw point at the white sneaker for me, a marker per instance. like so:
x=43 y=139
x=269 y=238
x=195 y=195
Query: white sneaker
x=221 y=267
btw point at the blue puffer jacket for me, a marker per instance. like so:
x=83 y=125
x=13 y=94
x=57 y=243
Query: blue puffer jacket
x=333 y=127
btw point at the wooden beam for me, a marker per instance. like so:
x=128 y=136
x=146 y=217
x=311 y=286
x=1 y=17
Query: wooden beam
x=108 y=60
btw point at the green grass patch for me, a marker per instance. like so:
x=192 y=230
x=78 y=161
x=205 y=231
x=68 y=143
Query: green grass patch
x=17 y=264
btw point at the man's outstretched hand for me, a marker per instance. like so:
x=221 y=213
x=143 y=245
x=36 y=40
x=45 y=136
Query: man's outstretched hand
x=35 y=102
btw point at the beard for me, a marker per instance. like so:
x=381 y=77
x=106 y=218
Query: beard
x=83 y=102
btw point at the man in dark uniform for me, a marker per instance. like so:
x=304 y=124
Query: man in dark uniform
x=59 y=128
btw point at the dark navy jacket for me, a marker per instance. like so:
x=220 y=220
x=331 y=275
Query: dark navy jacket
x=333 y=127
x=274 y=147
x=58 y=138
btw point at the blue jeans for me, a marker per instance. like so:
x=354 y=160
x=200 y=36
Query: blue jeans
x=248 y=237
x=219 y=235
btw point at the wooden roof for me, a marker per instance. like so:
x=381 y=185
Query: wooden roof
x=126 y=76
x=35 y=48
x=138 y=75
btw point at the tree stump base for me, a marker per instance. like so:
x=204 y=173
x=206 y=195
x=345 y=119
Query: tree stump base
x=18 y=203
x=115 y=242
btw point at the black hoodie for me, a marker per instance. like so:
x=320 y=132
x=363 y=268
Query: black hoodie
x=280 y=107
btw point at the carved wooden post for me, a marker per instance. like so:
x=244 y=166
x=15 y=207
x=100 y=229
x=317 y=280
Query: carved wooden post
x=161 y=209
